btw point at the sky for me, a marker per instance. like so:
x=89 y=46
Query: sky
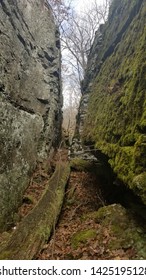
x=80 y=4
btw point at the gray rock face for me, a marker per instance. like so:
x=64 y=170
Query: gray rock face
x=30 y=96
x=77 y=150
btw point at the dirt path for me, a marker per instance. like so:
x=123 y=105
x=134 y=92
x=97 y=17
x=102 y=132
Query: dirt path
x=76 y=235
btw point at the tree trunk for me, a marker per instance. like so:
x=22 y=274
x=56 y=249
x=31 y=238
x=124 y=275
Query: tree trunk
x=35 y=229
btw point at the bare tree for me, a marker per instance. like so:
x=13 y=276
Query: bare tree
x=77 y=32
x=61 y=10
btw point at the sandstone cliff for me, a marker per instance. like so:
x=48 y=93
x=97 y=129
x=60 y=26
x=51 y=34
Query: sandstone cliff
x=112 y=113
x=30 y=96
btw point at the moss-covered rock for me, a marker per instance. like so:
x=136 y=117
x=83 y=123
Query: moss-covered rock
x=80 y=164
x=118 y=230
x=116 y=116
x=82 y=237
x=139 y=185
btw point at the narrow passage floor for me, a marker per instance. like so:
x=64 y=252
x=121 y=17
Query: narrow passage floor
x=79 y=233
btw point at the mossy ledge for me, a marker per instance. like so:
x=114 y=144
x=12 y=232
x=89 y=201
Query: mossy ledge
x=36 y=227
x=80 y=164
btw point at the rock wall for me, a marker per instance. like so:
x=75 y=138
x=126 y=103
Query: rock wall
x=112 y=113
x=30 y=96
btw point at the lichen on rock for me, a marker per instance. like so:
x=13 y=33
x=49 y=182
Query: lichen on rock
x=30 y=96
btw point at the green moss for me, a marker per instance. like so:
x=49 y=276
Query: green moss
x=142 y=123
x=44 y=232
x=129 y=236
x=140 y=154
x=128 y=140
x=71 y=197
x=110 y=214
x=123 y=163
x=82 y=237
x=116 y=117
x=5 y=255
x=139 y=185
x=91 y=215
x=36 y=227
x=81 y=164
x=121 y=227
